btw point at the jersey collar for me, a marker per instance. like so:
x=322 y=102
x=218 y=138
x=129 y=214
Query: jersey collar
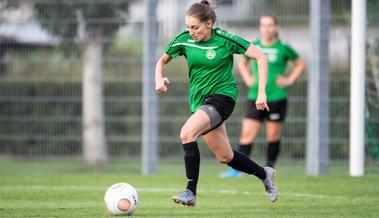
x=269 y=46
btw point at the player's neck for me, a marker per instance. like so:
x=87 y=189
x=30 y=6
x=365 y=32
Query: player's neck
x=208 y=36
x=269 y=42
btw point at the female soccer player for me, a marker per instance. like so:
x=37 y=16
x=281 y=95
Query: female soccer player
x=212 y=93
x=279 y=54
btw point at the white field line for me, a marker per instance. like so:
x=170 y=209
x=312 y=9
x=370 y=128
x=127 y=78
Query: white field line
x=10 y=188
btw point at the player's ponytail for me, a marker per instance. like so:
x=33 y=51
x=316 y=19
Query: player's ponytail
x=202 y=11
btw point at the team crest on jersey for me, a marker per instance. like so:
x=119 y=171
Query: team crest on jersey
x=271 y=53
x=211 y=54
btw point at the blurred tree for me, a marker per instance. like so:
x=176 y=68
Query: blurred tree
x=4 y=45
x=92 y=24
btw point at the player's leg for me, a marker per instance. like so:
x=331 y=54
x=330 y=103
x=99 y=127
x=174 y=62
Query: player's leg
x=273 y=136
x=249 y=130
x=219 y=144
x=213 y=111
x=275 y=119
x=198 y=123
x=250 y=126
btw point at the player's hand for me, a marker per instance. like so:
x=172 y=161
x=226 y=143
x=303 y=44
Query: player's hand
x=261 y=102
x=160 y=85
x=283 y=82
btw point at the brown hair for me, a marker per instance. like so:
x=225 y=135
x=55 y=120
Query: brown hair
x=273 y=17
x=202 y=11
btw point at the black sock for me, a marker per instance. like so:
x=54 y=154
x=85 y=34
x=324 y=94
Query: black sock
x=192 y=164
x=243 y=163
x=272 y=153
x=245 y=149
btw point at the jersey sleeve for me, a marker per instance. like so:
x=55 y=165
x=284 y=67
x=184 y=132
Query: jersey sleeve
x=291 y=52
x=175 y=48
x=237 y=45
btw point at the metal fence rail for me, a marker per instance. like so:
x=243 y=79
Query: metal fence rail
x=41 y=90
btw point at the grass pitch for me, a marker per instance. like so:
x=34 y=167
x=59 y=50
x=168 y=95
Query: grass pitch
x=62 y=189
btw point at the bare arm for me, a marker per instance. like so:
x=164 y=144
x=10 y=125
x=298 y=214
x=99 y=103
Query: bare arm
x=243 y=68
x=255 y=53
x=160 y=80
x=294 y=75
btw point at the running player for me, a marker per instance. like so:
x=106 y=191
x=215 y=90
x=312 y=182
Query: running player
x=212 y=94
x=279 y=54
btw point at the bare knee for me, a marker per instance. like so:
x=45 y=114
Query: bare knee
x=273 y=131
x=224 y=158
x=246 y=138
x=187 y=136
x=249 y=131
x=273 y=139
x=273 y=136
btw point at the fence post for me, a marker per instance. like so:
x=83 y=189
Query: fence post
x=317 y=154
x=150 y=99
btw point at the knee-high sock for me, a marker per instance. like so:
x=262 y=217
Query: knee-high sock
x=192 y=164
x=273 y=149
x=245 y=149
x=243 y=163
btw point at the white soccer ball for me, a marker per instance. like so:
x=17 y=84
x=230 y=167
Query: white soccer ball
x=121 y=199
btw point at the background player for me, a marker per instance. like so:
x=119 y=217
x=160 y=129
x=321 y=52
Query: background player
x=279 y=54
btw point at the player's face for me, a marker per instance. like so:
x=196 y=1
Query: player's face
x=268 y=28
x=199 y=31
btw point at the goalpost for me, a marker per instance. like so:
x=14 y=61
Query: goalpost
x=357 y=87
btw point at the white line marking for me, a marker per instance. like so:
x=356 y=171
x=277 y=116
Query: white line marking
x=11 y=188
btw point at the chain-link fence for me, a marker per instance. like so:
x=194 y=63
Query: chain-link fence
x=41 y=63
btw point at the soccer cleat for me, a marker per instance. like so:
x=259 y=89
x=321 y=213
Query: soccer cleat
x=271 y=189
x=231 y=173
x=186 y=198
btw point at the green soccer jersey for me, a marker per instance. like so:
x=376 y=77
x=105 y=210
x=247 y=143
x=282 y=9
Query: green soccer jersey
x=278 y=55
x=210 y=64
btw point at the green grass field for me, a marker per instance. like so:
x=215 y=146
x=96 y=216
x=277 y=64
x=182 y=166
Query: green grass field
x=62 y=189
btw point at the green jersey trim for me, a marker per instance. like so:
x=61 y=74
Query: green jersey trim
x=232 y=40
x=172 y=42
x=196 y=46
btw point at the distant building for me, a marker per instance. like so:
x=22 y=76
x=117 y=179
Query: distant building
x=27 y=33
x=19 y=27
